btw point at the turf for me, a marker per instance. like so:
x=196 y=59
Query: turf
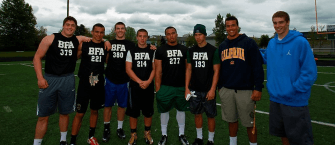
x=19 y=92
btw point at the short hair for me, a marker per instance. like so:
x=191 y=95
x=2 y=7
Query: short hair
x=170 y=27
x=70 y=18
x=120 y=23
x=281 y=14
x=141 y=30
x=97 y=25
x=231 y=18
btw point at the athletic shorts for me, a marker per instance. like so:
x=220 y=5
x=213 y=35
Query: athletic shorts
x=237 y=104
x=169 y=97
x=116 y=92
x=200 y=104
x=60 y=93
x=140 y=99
x=291 y=122
x=93 y=94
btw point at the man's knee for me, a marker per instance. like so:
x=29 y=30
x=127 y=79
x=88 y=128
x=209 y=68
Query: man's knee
x=43 y=119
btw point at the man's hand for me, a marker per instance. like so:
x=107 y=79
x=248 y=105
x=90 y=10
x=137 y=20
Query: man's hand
x=157 y=88
x=42 y=83
x=256 y=95
x=153 y=47
x=107 y=45
x=187 y=91
x=144 y=84
x=210 y=95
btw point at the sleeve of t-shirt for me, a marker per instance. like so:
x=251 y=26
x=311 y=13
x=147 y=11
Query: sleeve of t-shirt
x=129 y=58
x=188 y=56
x=216 y=59
x=153 y=59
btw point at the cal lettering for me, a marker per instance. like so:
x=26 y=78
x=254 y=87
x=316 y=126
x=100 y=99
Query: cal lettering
x=142 y=56
x=233 y=53
x=118 y=47
x=174 y=53
x=200 y=56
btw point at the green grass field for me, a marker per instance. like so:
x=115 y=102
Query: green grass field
x=19 y=93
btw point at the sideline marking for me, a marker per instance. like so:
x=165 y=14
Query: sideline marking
x=2 y=74
x=313 y=121
x=7 y=109
x=327 y=87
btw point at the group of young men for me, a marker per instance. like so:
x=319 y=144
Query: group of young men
x=185 y=79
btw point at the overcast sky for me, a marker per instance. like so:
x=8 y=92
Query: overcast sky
x=155 y=15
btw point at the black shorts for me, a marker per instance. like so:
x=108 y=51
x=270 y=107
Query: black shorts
x=291 y=122
x=200 y=104
x=93 y=94
x=140 y=99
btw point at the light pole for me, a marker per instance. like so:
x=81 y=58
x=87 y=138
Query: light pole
x=67 y=7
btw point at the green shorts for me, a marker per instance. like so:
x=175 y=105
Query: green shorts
x=168 y=97
x=237 y=104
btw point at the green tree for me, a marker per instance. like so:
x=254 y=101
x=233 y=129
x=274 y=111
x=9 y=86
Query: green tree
x=17 y=25
x=190 y=40
x=312 y=36
x=82 y=30
x=41 y=32
x=219 y=30
x=130 y=34
x=264 y=41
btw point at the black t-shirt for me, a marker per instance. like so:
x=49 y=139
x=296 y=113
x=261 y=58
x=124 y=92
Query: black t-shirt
x=92 y=59
x=173 y=64
x=142 y=59
x=116 y=65
x=202 y=61
x=61 y=56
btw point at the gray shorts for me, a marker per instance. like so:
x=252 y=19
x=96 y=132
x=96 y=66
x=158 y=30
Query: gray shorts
x=291 y=122
x=237 y=104
x=61 y=93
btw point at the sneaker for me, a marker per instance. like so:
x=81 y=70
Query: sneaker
x=63 y=143
x=120 y=133
x=92 y=141
x=133 y=138
x=163 y=140
x=148 y=138
x=106 y=136
x=183 y=140
x=210 y=143
x=198 y=141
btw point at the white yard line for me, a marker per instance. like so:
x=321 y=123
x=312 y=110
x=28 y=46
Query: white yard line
x=7 y=109
x=316 y=122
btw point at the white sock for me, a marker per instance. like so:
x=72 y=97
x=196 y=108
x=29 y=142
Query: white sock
x=180 y=115
x=106 y=122
x=164 y=122
x=253 y=143
x=119 y=124
x=199 y=133
x=233 y=140
x=37 y=141
x=211 y=136
x=63 y=136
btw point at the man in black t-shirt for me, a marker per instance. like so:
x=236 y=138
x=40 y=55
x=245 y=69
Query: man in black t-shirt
x=57 y=86
x=141 y=69
x=202 y=74
x=91 y=82
x=170 y=61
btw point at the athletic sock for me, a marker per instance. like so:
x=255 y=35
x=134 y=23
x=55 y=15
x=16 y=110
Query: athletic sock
x=253 y=143
x=119 y=124
x=73 y=139
x=106 y=125
x=233 y=140
x=164 y=122
x=133 y=130
x=180 y=115
x=38 y=141
x=211 y=136
x=63 y=136
x=91 y=133
x=147 y=128
x=199 y=133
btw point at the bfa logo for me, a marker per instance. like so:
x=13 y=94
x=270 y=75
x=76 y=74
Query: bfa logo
x=288 y=53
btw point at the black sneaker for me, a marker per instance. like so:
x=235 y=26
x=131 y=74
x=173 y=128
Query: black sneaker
x=106 y=136
x=198 y=141
x=63 y=143
x=120 y=133
x=183 y=140
x=163 y=140
x=210 y=143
